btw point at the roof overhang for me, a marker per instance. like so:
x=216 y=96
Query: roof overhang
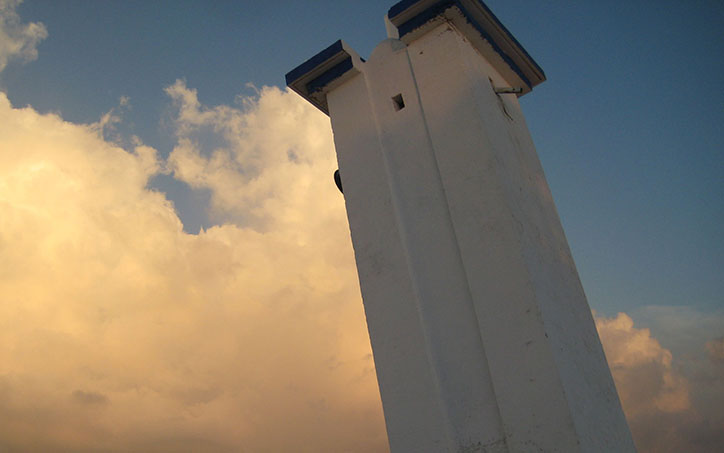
x=331 y=67
x=414 y=18
x=336 y=64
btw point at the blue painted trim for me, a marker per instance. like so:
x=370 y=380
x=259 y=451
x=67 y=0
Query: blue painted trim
x=510 y=35
x=424 y=17
x=332 y=73
x=438 y=8
x=496 y=48
x=313 y=62
x=400 y=7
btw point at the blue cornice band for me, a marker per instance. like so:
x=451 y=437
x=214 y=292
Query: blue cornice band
x=438 y=8
x=497 y=49
x=399 y=7
x=334 y=72
x=313 y=62
x=510 y=35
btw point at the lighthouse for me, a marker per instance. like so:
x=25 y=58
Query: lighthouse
x=482 y=337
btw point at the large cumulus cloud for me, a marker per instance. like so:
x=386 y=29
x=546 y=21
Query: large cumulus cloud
x=671 y=405
x=121 y=332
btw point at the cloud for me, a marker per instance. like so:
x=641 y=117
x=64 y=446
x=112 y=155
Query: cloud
x=669 y=408
x=270 y=166
x=642 y=368
x=120 y=332
x=18 y=40
x=89 y=398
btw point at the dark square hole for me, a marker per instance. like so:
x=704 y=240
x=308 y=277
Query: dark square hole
x=398 y=102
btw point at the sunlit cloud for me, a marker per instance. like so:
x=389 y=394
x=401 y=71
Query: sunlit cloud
x=270 y=166
x=669 y=408
x=18 y=40
x=642 y=368
x=121 y=332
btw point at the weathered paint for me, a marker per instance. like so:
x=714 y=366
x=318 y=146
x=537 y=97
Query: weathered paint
x=481 y=333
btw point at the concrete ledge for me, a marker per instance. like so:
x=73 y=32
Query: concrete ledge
x=326 y=70
x=414 y=18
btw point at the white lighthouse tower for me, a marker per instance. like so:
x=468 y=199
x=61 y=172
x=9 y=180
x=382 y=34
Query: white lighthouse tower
x=482 y=337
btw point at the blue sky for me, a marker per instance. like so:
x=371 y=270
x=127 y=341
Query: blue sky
x=628 y=125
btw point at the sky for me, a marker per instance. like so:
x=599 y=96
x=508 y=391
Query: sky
x=171 y=281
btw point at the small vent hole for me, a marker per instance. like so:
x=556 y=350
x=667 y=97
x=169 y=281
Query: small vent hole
x=398 y=102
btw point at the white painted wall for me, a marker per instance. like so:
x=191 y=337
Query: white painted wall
x=481 y=333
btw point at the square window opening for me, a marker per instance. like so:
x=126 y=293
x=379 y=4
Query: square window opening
x=398 y=102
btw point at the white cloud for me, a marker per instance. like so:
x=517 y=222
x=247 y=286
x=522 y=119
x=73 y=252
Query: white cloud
x=18 y=40
x=671 y=405
x=642 y=368
x=260 y=154
x=120 y=332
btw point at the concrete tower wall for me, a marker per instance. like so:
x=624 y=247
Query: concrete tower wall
x=481 y=333
x=431 y=367
x=459 y=248
x=502 y=209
